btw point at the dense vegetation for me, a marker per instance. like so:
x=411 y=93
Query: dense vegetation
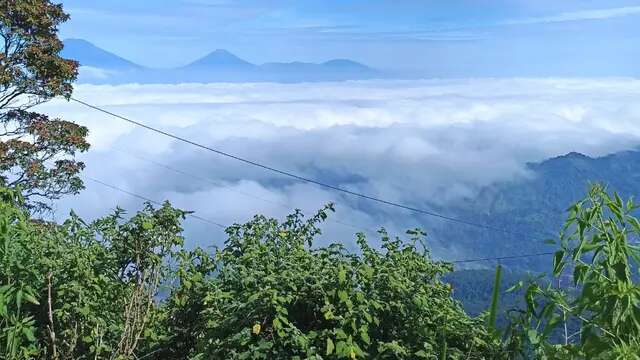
x=77 y=290
x=81 y=290
x=36 y=152
x=599 y=249
x=125 y=287
x=533 y=209
x=272 y=295
x=473 y=289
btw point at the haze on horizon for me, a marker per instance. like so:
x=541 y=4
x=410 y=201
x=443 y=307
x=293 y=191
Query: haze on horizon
x=458 y=38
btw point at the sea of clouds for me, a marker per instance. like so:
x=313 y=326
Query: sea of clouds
x=425 y=143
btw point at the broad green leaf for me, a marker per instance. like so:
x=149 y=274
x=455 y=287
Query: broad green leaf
x=330 y=347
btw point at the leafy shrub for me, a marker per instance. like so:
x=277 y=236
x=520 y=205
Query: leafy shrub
x=268 y=294
x=79 y=291
x=599 y=247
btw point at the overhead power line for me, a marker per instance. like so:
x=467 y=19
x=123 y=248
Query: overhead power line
x=295 y=176
x=243 y=193
x=287 y=206
x=138 y=196
x=498 y=258
x=113 y=187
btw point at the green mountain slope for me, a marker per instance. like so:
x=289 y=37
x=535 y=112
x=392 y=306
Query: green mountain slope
x=533 y=209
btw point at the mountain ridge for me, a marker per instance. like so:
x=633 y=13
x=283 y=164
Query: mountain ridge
x=219 y=57
x=217 y=65
x=89 y=54
x=534 y=207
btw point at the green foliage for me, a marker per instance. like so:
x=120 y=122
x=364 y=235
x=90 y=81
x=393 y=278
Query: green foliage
x=36 y=152
x=534 y=206
x=80 y=291
x=93 y=291
x=474 y=289
x=17 y=325
x=599 y=247
x=18 y=339
x=493 y=310
x=268 y=294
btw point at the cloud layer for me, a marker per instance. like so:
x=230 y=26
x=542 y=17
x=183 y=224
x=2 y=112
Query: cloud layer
x=423 y=143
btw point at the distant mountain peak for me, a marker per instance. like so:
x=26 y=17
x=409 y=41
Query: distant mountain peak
x=575 y=154
x=101 y=66
x=222 y=52
x=572 y=156
x=345 y=64
x=220 y=57
x=561 y=161
x=77 y=41
x=89 y=54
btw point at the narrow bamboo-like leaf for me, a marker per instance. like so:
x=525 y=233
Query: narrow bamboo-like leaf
x=493 y=310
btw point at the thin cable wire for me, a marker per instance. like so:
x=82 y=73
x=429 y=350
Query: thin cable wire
x=113 y=187
x=498 y=258
x=138 y=196
x=217 y=183
x=295 y=176
x=284 y=205
x=244 y=193
x=308 y=180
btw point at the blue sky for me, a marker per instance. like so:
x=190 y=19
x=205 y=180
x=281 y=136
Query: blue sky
x=433 y=37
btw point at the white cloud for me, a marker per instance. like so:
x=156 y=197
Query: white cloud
x=597 y=14
x=422 y=143
x=93 y=73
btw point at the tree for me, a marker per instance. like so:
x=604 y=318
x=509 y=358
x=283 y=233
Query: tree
x=36 y=152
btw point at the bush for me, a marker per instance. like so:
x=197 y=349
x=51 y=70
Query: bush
x=268 y=294
x=79 y=291
x=599 y=249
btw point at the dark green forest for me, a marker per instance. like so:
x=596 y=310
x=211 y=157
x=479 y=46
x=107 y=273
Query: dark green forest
x=125 y=286
x=532 y=210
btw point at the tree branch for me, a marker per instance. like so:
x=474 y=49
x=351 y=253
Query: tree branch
x=52 y=333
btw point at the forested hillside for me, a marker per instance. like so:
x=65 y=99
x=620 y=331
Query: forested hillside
x=473 y=289
x=532 y=210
